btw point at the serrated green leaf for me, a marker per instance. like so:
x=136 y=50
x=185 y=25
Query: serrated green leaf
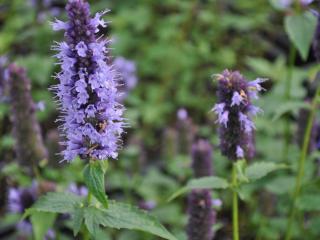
x=57 y=202
x=281 y=185
x=309 y=202
x=289 y=107
x=120 y=215
x=241 y=166
x=208 y=183
x=77 y=217
x=212 y=182
x=93 y=217
x=41 y=223
x=300 y=29
x=94 y=179
x=260 y=169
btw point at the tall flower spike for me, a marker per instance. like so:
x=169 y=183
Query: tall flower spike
x=186 y=130
x=29 y=143
x=234 y=110
x=91 y=116
x=202 y=158
x=201 y=213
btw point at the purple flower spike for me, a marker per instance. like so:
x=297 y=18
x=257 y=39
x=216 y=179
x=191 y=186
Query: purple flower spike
x=234 y=110
x=88 y=87
x=202 y=158
x=29 y=145
x=201 y=215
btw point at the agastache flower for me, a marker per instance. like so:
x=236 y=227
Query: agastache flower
x=200 y=204
x=201 y=215
x=202 y=158
x=234 y=110
x=186 y=130
x=29 y=143
x=87 y=92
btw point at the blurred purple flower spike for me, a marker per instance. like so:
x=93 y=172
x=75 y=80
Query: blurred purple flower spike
x=234 y=110
x=201 y=214
x=128 y=75
x=29 y=146
x=78 y=190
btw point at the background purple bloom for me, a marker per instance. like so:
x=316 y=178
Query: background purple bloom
x=78 y=190
x=29 y=145
x=128 y=75
x=202 y=158
x=201 y=213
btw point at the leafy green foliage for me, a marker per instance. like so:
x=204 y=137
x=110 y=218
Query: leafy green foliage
x=301 y=29
x=117 y=215
x=309 y=202
x=202 y=183
x=120 y=215
x=94 y=178
x=290 y=107
x=41 y=222
x=77 y=217
x=57 y=202
x=260 y=169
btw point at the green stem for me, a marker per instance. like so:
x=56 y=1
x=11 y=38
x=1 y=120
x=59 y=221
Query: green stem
x=301 y=163
x=287 y=97
x=86 y=234
x=297 y=6
x=89 y=197
x=235 y=214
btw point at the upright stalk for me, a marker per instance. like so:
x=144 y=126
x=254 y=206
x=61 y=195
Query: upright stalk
x=235 y=211
x=89 y=197
x=301 y=163
x=287 y=96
